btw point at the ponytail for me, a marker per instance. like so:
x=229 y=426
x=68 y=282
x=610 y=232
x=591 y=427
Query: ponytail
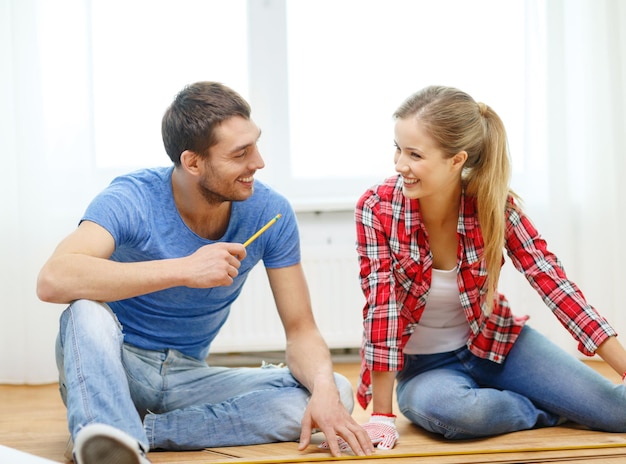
x=487 y=179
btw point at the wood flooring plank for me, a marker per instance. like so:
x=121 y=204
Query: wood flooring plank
x=33 y=420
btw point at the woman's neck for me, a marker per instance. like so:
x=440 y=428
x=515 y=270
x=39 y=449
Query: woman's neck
x=439 y=210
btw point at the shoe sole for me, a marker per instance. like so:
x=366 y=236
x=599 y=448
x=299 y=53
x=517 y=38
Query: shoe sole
x=106 y=450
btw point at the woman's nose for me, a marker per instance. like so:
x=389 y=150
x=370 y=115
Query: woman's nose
x=400 y=164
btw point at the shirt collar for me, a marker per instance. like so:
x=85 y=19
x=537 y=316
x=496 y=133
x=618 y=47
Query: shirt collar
x=468 y=215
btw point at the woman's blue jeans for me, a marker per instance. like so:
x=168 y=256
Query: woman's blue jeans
x=459 y=395
x=167 y=400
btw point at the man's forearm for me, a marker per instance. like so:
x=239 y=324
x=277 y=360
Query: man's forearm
x=68 y=278
x=309 y=360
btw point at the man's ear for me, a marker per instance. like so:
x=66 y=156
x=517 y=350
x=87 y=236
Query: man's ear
x=190 y=161
x=459 y=160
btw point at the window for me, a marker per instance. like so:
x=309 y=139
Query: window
x=323 y=77
x=144 y=52
x=352 y=62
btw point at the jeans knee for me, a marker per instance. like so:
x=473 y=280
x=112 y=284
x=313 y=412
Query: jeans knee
x=454 y=417
x=453 y=425
x=91 y=322
x=91 y=314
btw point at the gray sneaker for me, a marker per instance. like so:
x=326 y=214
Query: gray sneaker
x=103 y=444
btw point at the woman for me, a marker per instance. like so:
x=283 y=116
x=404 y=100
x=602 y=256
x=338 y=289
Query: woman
x=430 y=244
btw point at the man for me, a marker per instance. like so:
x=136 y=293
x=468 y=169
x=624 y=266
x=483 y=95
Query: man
x=150 y=275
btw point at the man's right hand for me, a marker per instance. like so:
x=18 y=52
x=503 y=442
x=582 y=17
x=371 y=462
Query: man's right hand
x=213 y=265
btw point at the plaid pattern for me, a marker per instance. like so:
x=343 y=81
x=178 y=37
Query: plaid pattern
x=396 y=267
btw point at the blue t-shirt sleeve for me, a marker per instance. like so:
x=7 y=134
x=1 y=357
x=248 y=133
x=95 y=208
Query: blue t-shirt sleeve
x=283 y=246
x=121 y=209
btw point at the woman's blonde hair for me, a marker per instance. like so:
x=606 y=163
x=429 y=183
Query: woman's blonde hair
x=458 y=123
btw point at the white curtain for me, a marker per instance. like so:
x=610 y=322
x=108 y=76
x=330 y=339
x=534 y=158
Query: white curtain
x=47 y=154
x=571 y=180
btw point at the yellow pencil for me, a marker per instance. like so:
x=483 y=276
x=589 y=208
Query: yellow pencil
x=261 y=230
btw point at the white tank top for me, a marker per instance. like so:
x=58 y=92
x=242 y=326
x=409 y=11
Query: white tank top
x=443 y=326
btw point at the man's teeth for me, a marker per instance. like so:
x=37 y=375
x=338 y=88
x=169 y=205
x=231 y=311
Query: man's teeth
x=410 y=181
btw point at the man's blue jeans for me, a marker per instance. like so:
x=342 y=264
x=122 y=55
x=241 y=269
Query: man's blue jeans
x=167 y=400
x=459 y=395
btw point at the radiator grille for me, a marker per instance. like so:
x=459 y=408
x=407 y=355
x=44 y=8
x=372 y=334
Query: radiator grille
x=337 y=300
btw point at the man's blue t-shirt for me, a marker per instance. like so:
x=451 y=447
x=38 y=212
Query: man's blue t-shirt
x=138 y=210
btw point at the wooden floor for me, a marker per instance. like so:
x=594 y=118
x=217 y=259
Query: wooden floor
x=33 y=421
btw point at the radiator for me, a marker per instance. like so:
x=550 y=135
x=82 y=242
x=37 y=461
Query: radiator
x=332 y=276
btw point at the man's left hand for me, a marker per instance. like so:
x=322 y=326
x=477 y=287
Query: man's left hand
x=326 y=413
